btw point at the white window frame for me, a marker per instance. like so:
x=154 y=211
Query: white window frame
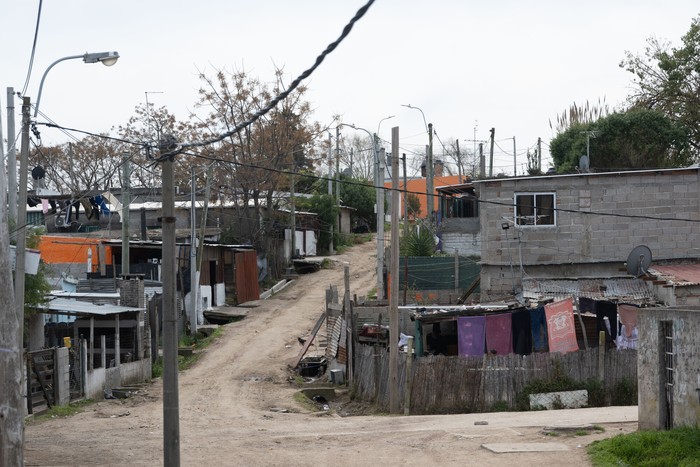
x=532 y=220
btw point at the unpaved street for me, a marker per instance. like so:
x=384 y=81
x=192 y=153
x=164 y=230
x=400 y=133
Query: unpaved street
x=227 y=397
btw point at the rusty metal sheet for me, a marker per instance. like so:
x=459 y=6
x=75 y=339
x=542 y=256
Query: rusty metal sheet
x=679 y=275
x=627 y=290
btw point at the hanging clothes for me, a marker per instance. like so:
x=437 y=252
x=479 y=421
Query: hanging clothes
x=499 y=334
x=522 y=332
x=561 y=331
x=628 y=336
x=607 y=309
x=471 y=335
x=538 y=322
x=586 y=304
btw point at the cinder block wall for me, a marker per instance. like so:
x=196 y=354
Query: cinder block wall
x=597 y=244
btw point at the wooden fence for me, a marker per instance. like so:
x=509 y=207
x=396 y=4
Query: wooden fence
x=442 y=384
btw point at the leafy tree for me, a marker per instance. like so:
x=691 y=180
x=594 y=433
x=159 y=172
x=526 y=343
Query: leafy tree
x=636 y=139
x=413 y=205
x=668 y=80
x=361 y=196
x=327 y=210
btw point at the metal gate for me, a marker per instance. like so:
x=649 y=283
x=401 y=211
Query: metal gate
x=668 y=376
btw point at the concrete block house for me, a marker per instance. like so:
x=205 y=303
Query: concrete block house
x=584 y=225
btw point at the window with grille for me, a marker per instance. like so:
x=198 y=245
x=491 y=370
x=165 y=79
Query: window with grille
x=535 y=209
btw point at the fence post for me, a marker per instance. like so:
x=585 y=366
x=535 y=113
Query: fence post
x=601 y=356
x=456 y=272
x=103 y=351
x=409 y=364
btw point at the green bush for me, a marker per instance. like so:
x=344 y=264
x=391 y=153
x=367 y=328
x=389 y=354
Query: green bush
x=624 y=393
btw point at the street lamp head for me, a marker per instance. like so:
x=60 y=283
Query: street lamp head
x=106 y=58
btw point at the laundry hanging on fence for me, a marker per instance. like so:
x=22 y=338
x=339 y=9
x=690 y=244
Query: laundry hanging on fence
x=538 y=323
x=561 y=331
x=471 y=335
x=499 y=334
x=522 y=332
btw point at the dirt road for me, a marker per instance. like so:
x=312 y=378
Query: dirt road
x=230 y=404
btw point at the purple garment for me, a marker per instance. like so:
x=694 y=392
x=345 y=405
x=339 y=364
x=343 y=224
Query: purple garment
x=499 y=334
x=471 y=333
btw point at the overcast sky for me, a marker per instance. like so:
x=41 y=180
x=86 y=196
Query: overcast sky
x=469 y=65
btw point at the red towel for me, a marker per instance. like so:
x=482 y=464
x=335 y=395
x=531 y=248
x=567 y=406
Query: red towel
x=561 y=331
x=628 y=317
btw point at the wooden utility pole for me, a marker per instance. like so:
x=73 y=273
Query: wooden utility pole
x=21 y=230
x=380 y=224
x=482 y=161
x=459 y=163
x=539 y=153
x=405 y=197
x=12 y=419
x=394 y=295
x=430 y=174
x=493 y=141
x=126 y=205
x=194 y=284
x=515 y=157
x=11 y=155
x=349 y=325
x=330 y=181
x=171 y=407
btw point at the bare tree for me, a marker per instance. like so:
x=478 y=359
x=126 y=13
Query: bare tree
x=257 y=161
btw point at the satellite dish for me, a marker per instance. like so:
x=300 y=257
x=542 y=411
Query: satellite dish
x=639 y=260
x=38 y=172
x=584 y=164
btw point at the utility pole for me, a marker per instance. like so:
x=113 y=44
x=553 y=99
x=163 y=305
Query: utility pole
x=21 y=228
x=11 y=156
x=126 y=204
x=394 y=296
x=459 y=163
x=493 y=140
x=293 y=220
x=380 y=222
x=171 y=409
x=515 y=164
x=12 y=419
x=330 y=180
x=482 y=161
x=430 y=173
x=337 y=175
x=539 y=153
x=194 y=283
x=405 y=197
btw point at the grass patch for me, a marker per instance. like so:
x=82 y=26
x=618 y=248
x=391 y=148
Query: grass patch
x=305 y=402
x=63 y=411
x=677 y=447
x=196 y=342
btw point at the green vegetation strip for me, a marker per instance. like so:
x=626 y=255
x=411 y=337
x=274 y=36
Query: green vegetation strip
x=679 y=447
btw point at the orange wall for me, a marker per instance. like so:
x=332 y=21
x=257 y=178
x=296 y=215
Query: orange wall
x=70 y=250
x=417 y=186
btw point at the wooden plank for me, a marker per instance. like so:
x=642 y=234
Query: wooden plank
x=308 y=342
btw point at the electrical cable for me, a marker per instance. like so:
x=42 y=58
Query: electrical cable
x=170 y=152
x=31 y=59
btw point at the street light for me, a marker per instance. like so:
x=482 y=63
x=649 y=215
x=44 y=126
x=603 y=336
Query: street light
x=429 y=162
x=379 y=186
x=106 y=58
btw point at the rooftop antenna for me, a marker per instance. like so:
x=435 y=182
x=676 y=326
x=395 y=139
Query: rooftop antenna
x=638 y=261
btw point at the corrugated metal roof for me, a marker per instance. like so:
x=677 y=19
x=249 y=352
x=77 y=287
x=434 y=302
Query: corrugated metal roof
x=74 y=306
x=679 y=275
x=634 y=291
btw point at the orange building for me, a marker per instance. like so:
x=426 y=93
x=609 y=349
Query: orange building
x=70 y=250
x=418 y=187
